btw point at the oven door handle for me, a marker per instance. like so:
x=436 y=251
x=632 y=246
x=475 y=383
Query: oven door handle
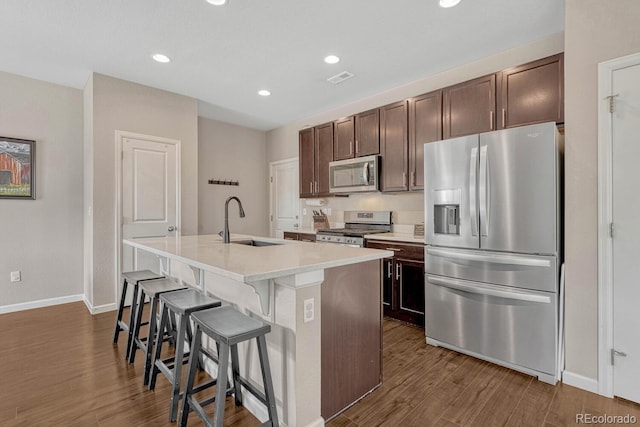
x=482 y=290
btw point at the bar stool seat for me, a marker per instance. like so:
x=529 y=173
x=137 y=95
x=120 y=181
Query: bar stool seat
x=179 y=304
x=153 y=289
x=133 y=277
x=227 y=327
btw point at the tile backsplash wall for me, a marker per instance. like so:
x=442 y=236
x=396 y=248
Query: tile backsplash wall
x=407 y=208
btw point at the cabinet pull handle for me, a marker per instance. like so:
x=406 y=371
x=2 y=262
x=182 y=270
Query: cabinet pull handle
x=404 y=179
x=398 y=271
x=491 y=120
x=357 y=147
x=504 y=118
x=350 y=147
x=311 y=187
x=316 y=186
x=389 y=269
x=413 y=178
x=394 y=249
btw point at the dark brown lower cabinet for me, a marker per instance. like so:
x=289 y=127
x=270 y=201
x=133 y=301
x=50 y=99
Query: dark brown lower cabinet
x=403 y=281
x=303 y=237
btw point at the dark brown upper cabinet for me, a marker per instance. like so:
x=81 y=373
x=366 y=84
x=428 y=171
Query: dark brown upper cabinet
x=367 y=133
x=316 y=151
x=394 y=147
x=357 y=136
x=425 y=125
x=344 y=138
x=532 y=93
x=323 y=155
x=306 y=146
x=469 y=107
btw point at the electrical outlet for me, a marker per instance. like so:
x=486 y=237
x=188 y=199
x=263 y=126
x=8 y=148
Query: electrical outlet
x=16 y=276
x=308 y=310
x=304 y=211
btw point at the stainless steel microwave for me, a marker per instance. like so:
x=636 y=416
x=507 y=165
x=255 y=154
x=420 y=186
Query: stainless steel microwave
x=354 y=175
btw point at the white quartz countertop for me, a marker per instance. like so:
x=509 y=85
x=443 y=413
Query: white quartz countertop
x=396 y=237
x=249 y=263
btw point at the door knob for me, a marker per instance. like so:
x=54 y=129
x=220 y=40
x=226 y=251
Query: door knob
x=171 y=228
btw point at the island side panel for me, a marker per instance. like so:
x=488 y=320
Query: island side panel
x=351 y=335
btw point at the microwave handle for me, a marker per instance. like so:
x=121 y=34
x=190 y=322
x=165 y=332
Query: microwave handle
x=365 y=172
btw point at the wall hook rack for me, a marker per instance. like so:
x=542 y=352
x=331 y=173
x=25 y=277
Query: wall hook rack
x=223 y=182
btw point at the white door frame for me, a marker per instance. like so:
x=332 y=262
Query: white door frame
x=272 y=231
x=605 y=218
x=120 y=137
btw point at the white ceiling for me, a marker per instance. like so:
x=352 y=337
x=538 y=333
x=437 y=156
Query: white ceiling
x=223 y=55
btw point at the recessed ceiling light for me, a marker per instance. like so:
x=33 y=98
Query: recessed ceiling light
x=331 y=59
x=448 y=3
x=217 y=2
x=264 y=92
x=161 y=58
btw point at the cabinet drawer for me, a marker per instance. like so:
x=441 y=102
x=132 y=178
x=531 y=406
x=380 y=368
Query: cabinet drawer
x=291 y=236
x=307 y=237
x=400 y=250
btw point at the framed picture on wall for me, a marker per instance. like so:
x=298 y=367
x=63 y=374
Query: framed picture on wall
x=17 y=168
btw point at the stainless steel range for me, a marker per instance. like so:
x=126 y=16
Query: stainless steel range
x=357 y=224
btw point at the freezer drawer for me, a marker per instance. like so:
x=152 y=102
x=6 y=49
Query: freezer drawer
x=511 y=325
x=519 y=270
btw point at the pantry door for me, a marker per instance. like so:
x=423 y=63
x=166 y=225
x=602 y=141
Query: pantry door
x=150 y=195
x=625 y=137
x=285 y=202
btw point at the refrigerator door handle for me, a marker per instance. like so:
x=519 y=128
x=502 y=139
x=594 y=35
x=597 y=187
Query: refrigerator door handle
x=495 y=259
x=483 y=290
x=483 y=189
x=472 y=190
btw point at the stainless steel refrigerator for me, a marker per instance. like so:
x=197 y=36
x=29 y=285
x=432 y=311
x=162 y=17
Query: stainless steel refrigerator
x=492 y=254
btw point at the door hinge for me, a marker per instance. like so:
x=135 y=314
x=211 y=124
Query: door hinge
x=271 y=179
x=271 y=218
x=612 y=102
x=612 y=230
x=615 y=353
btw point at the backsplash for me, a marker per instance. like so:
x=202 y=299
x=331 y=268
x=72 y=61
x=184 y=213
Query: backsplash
x=407 y=208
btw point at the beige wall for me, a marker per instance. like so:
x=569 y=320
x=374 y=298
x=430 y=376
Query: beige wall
x=231 y=152
x=43 y=237
x=126 y=106
x=595 y=31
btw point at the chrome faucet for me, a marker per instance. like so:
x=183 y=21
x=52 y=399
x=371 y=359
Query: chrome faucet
x=225 y=234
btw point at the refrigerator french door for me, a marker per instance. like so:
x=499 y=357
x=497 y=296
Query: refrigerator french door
x=492 y=245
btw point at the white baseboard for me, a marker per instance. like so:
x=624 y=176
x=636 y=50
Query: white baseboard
x=99 y=308
x=40 y=303
x=580 y=381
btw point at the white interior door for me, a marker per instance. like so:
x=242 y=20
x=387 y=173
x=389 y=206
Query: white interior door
x=149 y=196
x=626 y=241
x=285 y=202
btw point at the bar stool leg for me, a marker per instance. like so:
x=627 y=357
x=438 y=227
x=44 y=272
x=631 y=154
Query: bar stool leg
x=235 y=369
x=177 y=369
x=116 y=334
x=195 y=349
x=132 y=318
x=164 y=321
x=221 y=389
x=151 y=335
x=137 y=322
x=266 y=378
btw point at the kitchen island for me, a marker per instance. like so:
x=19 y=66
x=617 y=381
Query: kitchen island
x=322 y=301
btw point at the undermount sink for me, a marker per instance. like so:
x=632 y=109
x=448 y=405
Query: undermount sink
x=257 y=243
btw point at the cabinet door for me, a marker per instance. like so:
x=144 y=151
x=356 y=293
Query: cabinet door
x=368 y=133
x=532 y=93
x=469 y=107
x=306 y=148
x=387 y=285
x=307 y=237
x=323 y=155
x=343 y=140
x=425 y=125
x=288 y=235
x=410 y=278
x=394 y=146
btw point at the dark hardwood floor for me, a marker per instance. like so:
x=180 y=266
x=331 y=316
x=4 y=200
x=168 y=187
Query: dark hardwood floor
x=59 y=368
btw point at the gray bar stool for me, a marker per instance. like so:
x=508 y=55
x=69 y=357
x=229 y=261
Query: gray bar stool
x=133 y=277
x=227 y=327
x=180 y=305
x=153 y=289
